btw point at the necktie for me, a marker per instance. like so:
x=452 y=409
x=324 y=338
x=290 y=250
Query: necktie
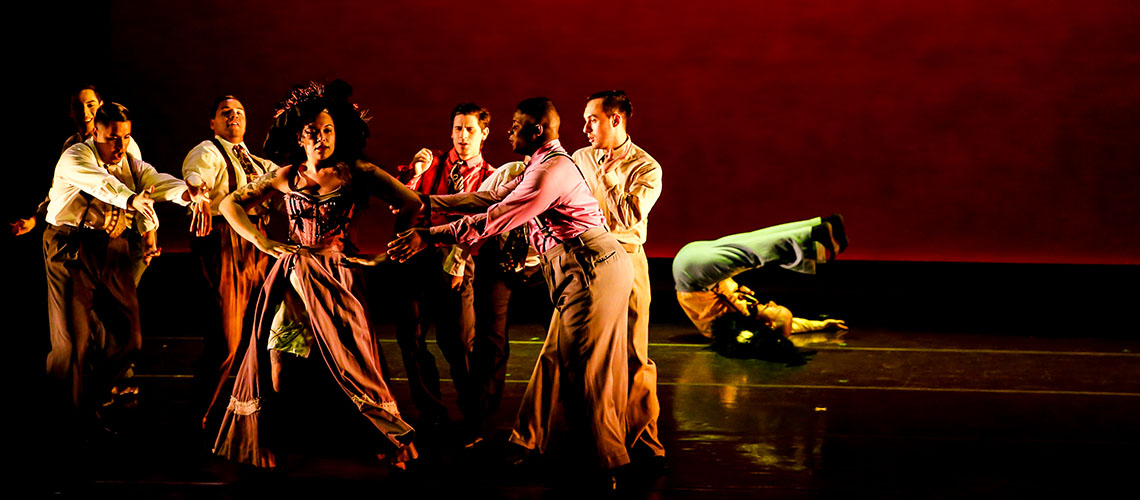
x=456 y=178
x=246 y=165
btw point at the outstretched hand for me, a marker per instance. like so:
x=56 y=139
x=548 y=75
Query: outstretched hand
x=200 y=222
x=150 y=246
x=837 y=324
x=367 y=260
x=408 y=243
x=23 y=226
x=144 y=204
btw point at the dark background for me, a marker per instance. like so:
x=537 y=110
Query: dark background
x=956 y=131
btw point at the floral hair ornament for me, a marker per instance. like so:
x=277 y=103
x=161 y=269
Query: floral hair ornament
x=338 y=90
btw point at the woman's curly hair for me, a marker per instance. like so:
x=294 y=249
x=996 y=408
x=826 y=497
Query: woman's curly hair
x=301 y=107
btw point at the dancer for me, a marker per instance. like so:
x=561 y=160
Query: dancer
x=102 y=200
x=84 y=104
x=507 y=264
x=438 y=292
x=233 y=267
x=312 y=298
x=588 y=274
x=721 y=309
x=627 y=182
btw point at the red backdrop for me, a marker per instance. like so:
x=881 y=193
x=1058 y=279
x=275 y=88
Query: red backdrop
x=966 y=130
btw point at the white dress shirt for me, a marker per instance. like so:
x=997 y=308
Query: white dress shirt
x=81 y=170
x=209 y=166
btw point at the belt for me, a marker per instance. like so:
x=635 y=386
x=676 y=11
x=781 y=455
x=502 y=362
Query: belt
x=576 y=242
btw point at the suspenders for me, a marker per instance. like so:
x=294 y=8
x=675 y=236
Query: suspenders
x=115 y=220
x=230 y=163
x=543 y=226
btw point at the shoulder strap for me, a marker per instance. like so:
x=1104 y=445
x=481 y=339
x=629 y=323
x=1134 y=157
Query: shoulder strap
x=229 y=164
x=133 y=166
x=554 y=154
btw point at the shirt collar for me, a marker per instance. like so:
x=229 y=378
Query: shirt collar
x=475 y=161
x=552 y=145
x=230 y=145
x=620 y=153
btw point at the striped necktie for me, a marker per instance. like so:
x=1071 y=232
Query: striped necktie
x=455 y=177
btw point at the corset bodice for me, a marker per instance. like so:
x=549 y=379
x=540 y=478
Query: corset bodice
x=319 y=221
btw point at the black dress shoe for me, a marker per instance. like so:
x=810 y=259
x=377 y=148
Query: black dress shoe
x=823 y=235
x=838 y=231
x=517 y=456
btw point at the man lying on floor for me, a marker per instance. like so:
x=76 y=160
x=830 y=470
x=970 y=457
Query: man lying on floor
x=739 y=324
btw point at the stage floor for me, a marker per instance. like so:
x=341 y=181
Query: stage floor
x=876 y=414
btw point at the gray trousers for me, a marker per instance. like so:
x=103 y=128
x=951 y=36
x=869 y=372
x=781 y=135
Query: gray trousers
x=583 y=364
x=83 y=266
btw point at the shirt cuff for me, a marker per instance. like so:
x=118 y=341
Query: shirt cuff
x=196 y=180
x=442 y=234
x=455 y=261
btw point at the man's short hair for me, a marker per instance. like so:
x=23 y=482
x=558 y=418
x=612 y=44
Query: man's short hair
x=470 y=108
x=112 y=112
x=537 y=108
x=77 y=106
x=218 y=102
x=614 y=101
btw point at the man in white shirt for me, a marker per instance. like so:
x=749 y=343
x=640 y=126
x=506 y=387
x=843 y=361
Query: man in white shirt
x=627 y=182
x=102 y=199
x=233 y=267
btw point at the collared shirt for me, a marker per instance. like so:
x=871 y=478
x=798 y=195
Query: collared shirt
x=456 y=260
x=208 y=164
x=436 y=179
x=551 y=196
x=81 y=170
x=626 y=186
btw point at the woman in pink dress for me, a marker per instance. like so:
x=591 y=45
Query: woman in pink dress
x=312 y=301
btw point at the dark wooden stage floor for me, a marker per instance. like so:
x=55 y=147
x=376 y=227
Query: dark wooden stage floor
x=884 y=412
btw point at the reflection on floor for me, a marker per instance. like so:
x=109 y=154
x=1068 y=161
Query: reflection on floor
x=873 y=414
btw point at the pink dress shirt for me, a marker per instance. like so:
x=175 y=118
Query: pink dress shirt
x=551 y=196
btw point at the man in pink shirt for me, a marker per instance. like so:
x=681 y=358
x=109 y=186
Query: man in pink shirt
x=583 y=363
